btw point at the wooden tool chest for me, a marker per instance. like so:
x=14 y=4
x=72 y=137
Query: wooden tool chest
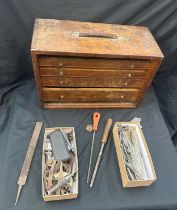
x=92 y=65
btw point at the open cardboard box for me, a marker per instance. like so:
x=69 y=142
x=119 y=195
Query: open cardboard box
x=74 y=194
x=150 y=175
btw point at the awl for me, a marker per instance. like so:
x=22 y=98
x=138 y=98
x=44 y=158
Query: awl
x=96 y=118
x=103 y=142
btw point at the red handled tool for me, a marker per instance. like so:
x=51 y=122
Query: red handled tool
x=96 y=118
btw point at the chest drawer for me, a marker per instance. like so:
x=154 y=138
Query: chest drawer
x=73 y=72
x=58 y=61
x=89 y=95
x=91 y=82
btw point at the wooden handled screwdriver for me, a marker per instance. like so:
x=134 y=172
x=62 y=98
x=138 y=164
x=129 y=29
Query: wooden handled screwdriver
x=103 y=142
x=96 y=118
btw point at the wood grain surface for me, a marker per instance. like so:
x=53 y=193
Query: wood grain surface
x=62 y=36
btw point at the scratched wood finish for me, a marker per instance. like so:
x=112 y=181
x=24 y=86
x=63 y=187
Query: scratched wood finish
x=92 y=65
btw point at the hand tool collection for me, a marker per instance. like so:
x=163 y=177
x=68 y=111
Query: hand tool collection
x=28 y=159
x=60 y=163
x=60 y=160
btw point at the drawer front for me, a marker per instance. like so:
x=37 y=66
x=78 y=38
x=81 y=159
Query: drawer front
x=94 y=63
x=91 y=82
x=84 y=95
x=71 y=72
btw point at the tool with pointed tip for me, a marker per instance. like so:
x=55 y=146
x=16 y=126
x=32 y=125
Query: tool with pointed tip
x=96 y=118
x=103 y=142
x=27 y=162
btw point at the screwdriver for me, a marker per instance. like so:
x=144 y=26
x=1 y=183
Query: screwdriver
x=103 y=142
x=96 y=118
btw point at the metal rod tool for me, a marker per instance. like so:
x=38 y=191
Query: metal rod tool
x=29 y=156
x=103 y=142
x=96 y=118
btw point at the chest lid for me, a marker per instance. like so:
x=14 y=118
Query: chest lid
x=74 y=38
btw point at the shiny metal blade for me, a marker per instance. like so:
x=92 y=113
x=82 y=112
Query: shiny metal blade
x=97 y=165
x=18 y=194
x=90 y=161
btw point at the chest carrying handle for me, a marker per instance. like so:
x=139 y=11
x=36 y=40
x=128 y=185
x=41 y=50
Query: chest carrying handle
x=98 y=35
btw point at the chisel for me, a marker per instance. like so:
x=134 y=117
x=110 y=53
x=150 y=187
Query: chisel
x=96 y=118
x=103 y=142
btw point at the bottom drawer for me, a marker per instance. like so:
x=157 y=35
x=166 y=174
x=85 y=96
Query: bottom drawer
x=85 y=95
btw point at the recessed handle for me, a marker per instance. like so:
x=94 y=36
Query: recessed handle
x=98 y=35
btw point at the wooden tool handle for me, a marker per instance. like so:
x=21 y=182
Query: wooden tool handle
x=96 y=118
x=106 y=131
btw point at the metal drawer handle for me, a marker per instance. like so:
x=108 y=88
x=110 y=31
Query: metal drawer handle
x=129 y=75
x=125 y=83
x=61 y=96
x=95 y=34
x=122 y=96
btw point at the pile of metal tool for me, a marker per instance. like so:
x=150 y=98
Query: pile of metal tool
x=60 y=164
x=131 y=151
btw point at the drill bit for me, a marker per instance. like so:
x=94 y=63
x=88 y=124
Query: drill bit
x=96 y=118
x=27 y=162
x=103 y=142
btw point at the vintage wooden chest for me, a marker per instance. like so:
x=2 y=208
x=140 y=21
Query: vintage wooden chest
x=92 y=65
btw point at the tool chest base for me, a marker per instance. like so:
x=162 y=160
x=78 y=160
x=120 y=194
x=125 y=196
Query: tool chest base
x=87 y=105
x=92 y=65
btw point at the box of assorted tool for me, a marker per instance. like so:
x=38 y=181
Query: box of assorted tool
x=59 y=164
x=135 y=163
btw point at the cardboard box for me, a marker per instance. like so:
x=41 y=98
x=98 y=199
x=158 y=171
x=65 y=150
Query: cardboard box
x=74 y=194
x=148 y=164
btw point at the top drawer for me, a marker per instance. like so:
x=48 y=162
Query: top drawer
x=93 y=62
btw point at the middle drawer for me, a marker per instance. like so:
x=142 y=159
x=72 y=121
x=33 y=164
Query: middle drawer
x=91 y=82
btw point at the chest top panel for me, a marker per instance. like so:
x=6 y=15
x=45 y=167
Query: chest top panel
x=74 y=38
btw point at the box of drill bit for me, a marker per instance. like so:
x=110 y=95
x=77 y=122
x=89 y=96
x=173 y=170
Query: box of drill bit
x=59 y=164
x=135 y=162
